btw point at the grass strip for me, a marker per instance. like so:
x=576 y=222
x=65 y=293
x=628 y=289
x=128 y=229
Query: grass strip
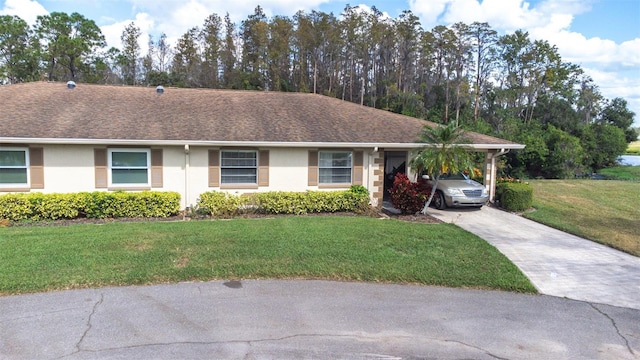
x=605 y=211
x=633 y=148
x=626 y=173
x=346 y=248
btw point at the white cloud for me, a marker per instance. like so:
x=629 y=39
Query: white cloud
x=193 y=12
x=565 y=6
x=614 y=84
x=113 y=32
x=428 y=10
x=364 y=9
x=28 y=10
x=507 y=15
x=175 y=18
x=629 y=52
x=183 y=18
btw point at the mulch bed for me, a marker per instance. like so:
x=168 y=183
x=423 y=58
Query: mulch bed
x=425 y=219
x=419 y=218
x=66 y=222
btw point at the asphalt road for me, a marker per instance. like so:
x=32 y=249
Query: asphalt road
x=311 y=320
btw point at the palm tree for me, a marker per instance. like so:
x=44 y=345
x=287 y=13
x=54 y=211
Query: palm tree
x=443 y=154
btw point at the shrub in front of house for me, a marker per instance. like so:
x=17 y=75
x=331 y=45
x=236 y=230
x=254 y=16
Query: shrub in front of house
x=298 y=203
x=122 y=204
x=55 y=206
x=222 y=204
x=39 y=206
x=514 y=196
x=15 y=207
x=407 y=196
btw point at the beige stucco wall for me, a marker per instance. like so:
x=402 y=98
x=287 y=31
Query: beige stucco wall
x=70 y=168
x=173 y=178
x=288 y=171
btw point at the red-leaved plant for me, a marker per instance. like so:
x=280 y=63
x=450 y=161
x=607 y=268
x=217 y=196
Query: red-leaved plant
x=407 y=196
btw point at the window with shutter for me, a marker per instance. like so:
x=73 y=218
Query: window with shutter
x=36 y=164
x=129 y=167
x=263 y=168
x=238 y=167
x=14 y=168
x=313 y=169
x=101 y=169
x=335 y=167
x=156 y=168
x=214 y=168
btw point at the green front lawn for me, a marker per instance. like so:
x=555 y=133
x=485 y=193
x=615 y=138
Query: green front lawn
x=346 y=248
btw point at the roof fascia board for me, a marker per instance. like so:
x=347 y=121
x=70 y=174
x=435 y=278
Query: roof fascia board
x=57 y=141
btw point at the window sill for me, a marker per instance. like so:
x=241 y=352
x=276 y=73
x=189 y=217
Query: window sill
x=15 y=189
x=128 y=188
x=238 y=186
x=334 y=186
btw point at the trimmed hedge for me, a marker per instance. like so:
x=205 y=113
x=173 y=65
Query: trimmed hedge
x=39 y=206
x=223 y=204
x=514 y=196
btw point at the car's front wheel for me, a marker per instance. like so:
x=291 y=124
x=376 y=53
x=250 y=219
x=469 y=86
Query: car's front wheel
x=438 y=201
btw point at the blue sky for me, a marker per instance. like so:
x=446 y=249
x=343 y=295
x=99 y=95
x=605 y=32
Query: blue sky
x=602 y=36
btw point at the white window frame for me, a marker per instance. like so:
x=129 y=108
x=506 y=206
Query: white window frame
x=26 y=167
x=223 y=167
x=320 y=167
x=111 y=168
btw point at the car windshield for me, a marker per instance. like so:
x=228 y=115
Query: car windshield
x=454 y=176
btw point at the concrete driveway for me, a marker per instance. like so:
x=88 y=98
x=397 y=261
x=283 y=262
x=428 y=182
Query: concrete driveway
x=557 y=263
x=310 y=320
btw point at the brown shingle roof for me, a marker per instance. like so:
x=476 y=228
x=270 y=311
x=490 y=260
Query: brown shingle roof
x=51 y=111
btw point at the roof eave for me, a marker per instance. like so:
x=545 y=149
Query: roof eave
x=120 y=142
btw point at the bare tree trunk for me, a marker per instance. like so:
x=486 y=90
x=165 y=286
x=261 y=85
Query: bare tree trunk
x=476 y=107
x=72 y=68
x=53 y=65
x=433 y=192
x=351 y=80
x=446 y=101
x=315 y=75
x=457 y=104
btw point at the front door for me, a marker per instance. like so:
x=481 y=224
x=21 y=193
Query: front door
x=395 y=162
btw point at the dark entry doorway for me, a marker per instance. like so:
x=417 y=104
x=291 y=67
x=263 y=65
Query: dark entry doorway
x=395 y=162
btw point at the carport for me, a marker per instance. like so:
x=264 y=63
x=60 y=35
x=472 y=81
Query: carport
x=397 y=161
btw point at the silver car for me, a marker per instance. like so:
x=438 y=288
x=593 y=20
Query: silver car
x=458 y=190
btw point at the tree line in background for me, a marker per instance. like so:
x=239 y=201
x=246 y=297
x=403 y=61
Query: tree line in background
x=508 y=86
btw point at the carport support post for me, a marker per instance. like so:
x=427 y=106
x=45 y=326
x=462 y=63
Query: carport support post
x=490 y=173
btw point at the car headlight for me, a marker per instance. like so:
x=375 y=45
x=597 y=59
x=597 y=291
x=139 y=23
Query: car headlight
x=485 y=192
x=455 y=192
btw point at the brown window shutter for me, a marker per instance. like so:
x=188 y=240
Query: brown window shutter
x=313 y=168
x=101 y=168
x=156 y=168
x=36 y=167
x=214 y=168
x=357 y=167
x=263 y=168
